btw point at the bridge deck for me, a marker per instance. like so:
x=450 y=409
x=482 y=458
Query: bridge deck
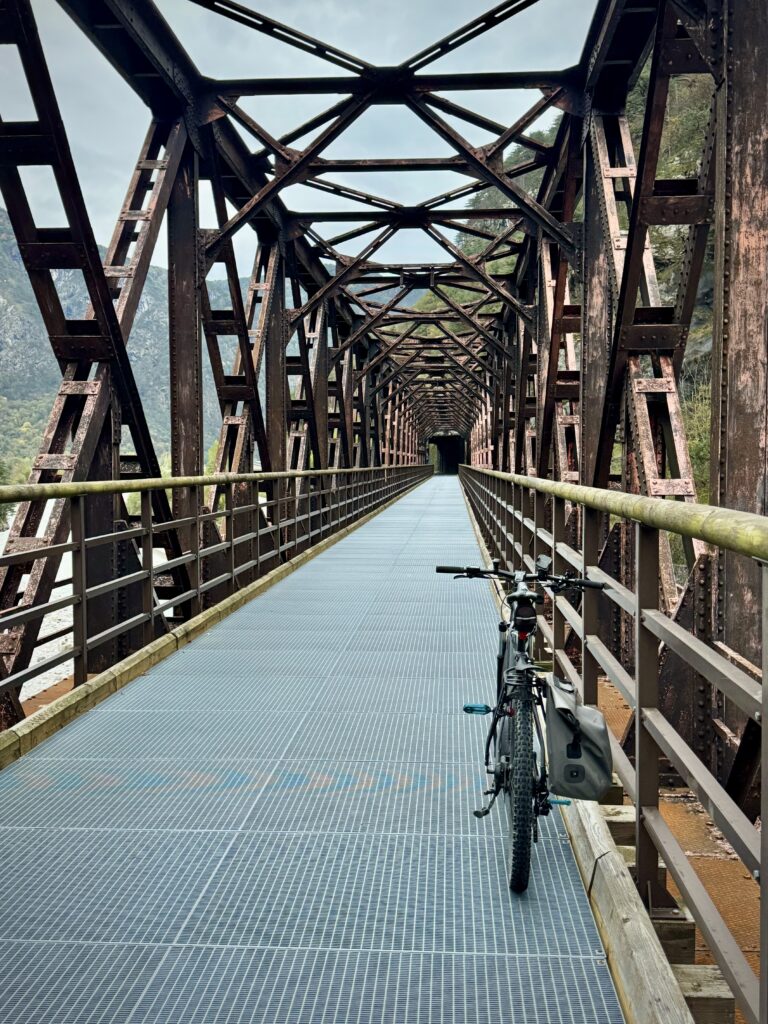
x=275 y=824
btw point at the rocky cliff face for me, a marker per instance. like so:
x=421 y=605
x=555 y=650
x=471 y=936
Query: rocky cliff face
x=29 y=373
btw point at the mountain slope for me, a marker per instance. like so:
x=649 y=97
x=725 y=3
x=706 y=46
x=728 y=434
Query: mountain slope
x=29 y=373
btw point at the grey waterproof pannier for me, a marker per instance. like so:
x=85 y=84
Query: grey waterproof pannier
x=578 y=748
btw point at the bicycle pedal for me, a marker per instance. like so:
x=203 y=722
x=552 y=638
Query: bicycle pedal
x=477 y=709
x=482 y=812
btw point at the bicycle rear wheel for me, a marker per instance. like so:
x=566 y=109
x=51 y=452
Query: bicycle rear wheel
x=516 y=742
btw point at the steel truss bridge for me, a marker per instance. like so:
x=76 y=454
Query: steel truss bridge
x=550 y=354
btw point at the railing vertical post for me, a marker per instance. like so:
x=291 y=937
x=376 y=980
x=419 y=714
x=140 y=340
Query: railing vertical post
x=492 y=502
x=253 y=519
x=539 y=523
x=517 y=525
x=296 y=489
x=507 y=519
x=230 y=508
x=590 y=540
x=498 y=512
x=195 y=500
x=79 y=590
x=647 y=683
x=277 y=496
x=147 y=563
x=558 y=566
x=257 y=527
x=764 y=812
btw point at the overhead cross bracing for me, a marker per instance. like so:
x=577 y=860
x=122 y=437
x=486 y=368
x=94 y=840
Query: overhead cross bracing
x=368 y=376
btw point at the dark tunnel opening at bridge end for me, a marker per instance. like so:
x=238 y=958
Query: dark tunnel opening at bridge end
x=447 y=452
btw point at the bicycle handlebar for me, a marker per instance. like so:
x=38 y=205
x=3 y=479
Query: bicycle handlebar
x=473 y=572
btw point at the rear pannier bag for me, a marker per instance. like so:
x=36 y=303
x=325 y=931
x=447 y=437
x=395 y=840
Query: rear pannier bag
x=578 y=747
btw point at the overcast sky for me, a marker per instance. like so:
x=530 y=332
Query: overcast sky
x=106 y=122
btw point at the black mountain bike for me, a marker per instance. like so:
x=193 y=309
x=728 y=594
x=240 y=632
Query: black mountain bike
x=514 y=748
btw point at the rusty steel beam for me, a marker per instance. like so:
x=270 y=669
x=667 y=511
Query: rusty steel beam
x=390 y=86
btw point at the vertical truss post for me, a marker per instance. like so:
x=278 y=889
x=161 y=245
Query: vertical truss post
x=79 y=590
x=764 y=806
x=740 y=342
x=320 y=395
x=590 y=534
x=186 y=357
x=647 y=683
x=147 y=562
x=101 y=512
x=559 y=565
x=275 y=330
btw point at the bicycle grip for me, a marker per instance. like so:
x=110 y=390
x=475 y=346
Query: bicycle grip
x=453 y=569
x=591 y=585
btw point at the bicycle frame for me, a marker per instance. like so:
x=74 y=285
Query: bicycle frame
x=511 y=678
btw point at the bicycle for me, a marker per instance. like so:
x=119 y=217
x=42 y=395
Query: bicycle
x=515 y=740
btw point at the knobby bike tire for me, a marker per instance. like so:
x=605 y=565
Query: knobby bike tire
x=519 y=794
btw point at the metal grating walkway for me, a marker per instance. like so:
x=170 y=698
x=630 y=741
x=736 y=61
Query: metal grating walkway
x=274 y=825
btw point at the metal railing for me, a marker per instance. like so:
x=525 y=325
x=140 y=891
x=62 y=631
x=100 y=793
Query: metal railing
x=522 y=517
x=253 y=523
